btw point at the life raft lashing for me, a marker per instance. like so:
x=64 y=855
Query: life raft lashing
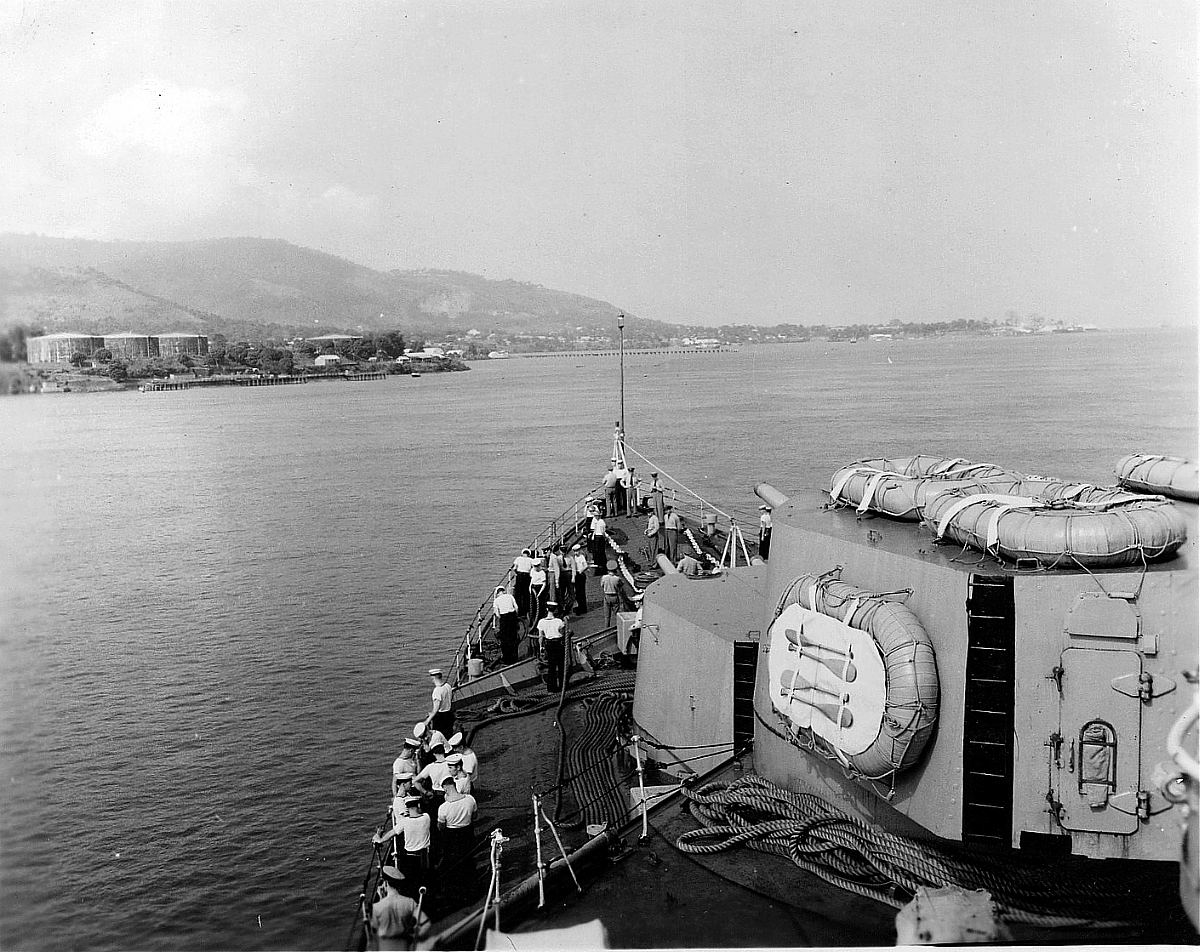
x=1166 y=475
x=895 y=486
x=853 y=674
x=1112 y=529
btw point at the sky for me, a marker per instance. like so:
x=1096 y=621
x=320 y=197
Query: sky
x=694 y=162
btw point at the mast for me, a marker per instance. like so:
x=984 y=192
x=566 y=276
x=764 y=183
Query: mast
x=621 y=330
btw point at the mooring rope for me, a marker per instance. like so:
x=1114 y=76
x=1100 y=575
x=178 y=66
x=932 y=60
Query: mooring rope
x=887 y=867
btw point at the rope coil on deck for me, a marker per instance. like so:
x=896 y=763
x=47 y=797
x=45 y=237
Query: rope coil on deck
x=888 y=867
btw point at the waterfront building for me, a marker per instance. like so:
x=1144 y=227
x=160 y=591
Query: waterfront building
x=172 y=345
x=59 y=348
x=129 y=345
x=325 y=360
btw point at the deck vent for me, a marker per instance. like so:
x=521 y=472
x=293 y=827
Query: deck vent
x=988 y=718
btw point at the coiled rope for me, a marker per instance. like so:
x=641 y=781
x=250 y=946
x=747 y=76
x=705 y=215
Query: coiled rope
x=889 y=868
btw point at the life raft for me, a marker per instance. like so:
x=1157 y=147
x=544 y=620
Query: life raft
x=1111 y=528
x=896 y=486
x=1165 y=475
x=853 y=674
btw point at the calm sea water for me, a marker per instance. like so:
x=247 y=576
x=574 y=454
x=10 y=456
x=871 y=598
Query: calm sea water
x=216 y=606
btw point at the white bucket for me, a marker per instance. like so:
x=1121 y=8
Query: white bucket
x=474 y=667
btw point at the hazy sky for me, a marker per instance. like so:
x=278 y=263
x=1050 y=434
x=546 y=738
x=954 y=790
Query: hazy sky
x=705 y=162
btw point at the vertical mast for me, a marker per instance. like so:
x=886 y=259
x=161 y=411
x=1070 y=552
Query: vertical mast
x=621 y=329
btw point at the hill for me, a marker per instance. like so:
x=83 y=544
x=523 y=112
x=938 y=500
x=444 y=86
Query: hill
x=259 y=289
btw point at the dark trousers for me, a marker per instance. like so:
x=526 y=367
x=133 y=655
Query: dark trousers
x=537 y=605
x=581 y=593
x=509 y=636
x=521 y=591
x=599 y=554
x=764 y=544
x=566 y=594
x=443 y=721
x=673 y=545
x=457 y=867
x=612 y=605
x=554 y=663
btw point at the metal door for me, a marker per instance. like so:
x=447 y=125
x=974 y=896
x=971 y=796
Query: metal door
x=1100 y=726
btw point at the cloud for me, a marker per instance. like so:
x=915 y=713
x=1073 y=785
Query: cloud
x=160 y=120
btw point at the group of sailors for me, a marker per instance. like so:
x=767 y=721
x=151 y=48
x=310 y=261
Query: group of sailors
x=431 y=840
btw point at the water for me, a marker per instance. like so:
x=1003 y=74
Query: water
x=216 y=607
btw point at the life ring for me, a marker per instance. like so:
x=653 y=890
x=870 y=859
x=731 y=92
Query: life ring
x=856 y=671
x=1169 y=475
x=1114 y=529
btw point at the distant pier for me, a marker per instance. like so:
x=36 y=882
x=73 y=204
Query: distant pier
x=256 y=380
x=665 y=351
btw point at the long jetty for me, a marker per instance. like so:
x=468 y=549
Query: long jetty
x=256 y=380
x=666 y=351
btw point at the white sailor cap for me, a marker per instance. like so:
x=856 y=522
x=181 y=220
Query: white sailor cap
x=435 y=672
x=454 y=759
x=419 y=729
x=392 y=873
x=412 y=741
x=455 y=739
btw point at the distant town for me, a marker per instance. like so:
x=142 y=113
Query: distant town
x=115 y=360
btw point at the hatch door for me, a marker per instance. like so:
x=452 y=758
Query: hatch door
x=1099 y=756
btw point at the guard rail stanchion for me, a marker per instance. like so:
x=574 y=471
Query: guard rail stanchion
x=537 y=840
x=493 y=897
x=637 y=754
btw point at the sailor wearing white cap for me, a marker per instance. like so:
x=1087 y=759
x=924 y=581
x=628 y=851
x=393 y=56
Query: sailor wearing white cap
x=406 y=763
x=396 y=919
x=506 y=619
x=580 y=571
x=428 y=740
x=461 y=781
x=521 y=566
x=764 y=532
x=551 y=637
x=441 y=714
x=456 y=834
x=470 y=762
x=411 y=830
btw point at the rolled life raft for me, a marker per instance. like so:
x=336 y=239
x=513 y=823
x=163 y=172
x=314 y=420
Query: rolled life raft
x=1104 y=528
x=1165 y=475
x=856 y=671
x=896 y=486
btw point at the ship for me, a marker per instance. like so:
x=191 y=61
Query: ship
x=934 y=700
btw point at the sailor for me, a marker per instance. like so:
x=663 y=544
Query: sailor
x=671 y=526
x=537 y=592
x=622 y=487
x=428 y=738
x=429 y=780
x=461 y=781
x=611 y=482
x=506 y=615
x=456 y=835
x=764 y=532
x=396 y=919
x=470 y=762
x=629 y=485
x=521 y=566
x=690 y=567
x=654 y=534
x=598 y=534
x=554 y=571
x=412 y=827
x=656 y=495
x=610 y=585
x=580 y=570
x=566 y=581
x=407 y=761
x=402 y=786
x=551 y=637
x=441 y=713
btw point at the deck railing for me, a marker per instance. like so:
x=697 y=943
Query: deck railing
x=559 y=530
